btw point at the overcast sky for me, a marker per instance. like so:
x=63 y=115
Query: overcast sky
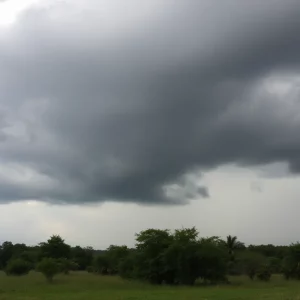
x=117 y=116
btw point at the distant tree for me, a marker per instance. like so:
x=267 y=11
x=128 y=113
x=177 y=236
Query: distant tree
x=181 y=259
x=115 y=255
x=216 y=240
x=213 y=261
x=232 y=245
x=251 y=262
x=270 y=250
x=175 y=258
x=128 y=265
x=66 y=265
x=17 y=267
x=275 y=264
x=55 y=248
x=18 y=250
x=186 y=235
x=90 y=269
x=101 y=264
x=290 y=268
x=264 y=273
x=6 y=253
x=49 y=268
x=82 y=256
x=291 y=263
x=151 y=244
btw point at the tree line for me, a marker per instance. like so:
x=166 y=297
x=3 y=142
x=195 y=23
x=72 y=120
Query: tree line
x=177 y=257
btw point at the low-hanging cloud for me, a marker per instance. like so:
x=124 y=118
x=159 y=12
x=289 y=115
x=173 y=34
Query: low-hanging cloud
x=110 y=101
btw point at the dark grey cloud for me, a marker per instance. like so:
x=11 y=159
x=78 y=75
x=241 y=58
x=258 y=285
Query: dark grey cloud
x=127 y=102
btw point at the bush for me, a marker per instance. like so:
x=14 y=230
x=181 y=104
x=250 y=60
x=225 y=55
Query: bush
x=275 y=265
x=127 y=267
x=90 y=269
x=264 y=274
x=251 y=262
x=101 y=264
x=234 y=268
x=49 y=267
x=17 y=267
x=66 y=265
x=74 y=266
x=291 y=263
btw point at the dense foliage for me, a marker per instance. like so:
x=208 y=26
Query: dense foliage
x=159 y=257
x=49 y=267
x=17 y=267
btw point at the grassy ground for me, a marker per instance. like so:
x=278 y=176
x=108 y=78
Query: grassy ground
x=79 y=286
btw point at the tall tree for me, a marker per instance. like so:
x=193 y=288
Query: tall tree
x=6 y=253
x=233 y=244
x=151 y=244
x=55 y=247
x=82 y=256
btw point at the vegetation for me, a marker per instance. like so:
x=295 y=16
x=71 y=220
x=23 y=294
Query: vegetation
x=55 y=247
x=232 y=244
x=17 y=267
x=49 y=267
x=160 y=257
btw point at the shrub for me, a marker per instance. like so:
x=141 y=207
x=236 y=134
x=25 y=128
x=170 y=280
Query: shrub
x=66 y=265
x=264 y=274
x=235 y=268
x=101 y=264
x=49 y=267
x=90 y=269
x=291 y=262
x=74 y=266
x=127 y=267
x=251 y=262
x=275 y=265
x=17 y=267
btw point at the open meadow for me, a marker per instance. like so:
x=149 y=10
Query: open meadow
x=81 y=286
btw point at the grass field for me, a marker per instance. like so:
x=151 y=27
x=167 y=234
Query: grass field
x=87 y=286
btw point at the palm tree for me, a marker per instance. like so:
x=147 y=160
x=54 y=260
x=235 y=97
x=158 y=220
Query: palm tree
x=233 y=244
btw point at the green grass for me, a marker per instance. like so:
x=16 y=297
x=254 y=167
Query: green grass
x=85 y=286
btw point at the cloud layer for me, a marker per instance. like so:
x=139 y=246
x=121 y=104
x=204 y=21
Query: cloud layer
x=110 y=101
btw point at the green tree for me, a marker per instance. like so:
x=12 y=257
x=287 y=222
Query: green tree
x=101 y=264
x=291 y=263
x=275 y=264
x=213 y=261
x=66 y=265
x=82 y=256
x=264 y=273
x=270 y=250
x=232 y=244
x=178 y=258
x=151 y=244
x=186 y=235
x=181 y=259
x=55 y=248
x=49 y=268
x=182 y=263
x=127 y=266
x=251 y=262
x=90 y=269
x=6 y=253
x=17 y=267
x=115 y=255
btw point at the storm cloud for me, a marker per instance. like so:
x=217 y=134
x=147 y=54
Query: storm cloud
x=133 y=101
